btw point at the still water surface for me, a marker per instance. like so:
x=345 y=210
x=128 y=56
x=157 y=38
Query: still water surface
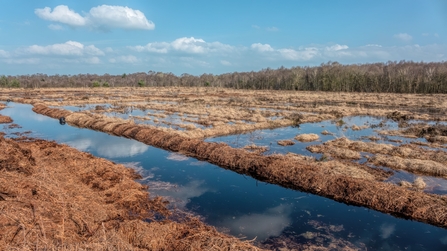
x=237 y=203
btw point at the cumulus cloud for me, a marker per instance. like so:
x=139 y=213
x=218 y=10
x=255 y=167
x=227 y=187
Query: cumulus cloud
x=69 y=48
x=272 y=28
x=188 y=45
x=61 y=14
x=403 y=36
x=337 y=47
x=119 y=17
x=261 y=47
x=100 y=17
x=299 y=55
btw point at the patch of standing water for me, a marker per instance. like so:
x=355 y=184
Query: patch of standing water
x=270 y=137
x=239 y=203
x=149 y=117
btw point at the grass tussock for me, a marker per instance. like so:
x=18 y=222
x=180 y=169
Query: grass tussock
x=290 y=172
x=410 y=151
x=307 y=137
x=427 y=167
x=335 y=152
x=286 y=142
x=53 y=197
x=5 y=119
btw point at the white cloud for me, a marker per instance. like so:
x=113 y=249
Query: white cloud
x=61 y=14
x=188 y=45
x=256 y=27
x=106 y=16
x=55 y=27
x=153 y=47
x=101 y=17
x=403 y=36
x=337 y=47
x=69 y=48
x=299 y=55
x=262 y=47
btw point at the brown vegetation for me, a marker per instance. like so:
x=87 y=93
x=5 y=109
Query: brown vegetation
x=5 y=119
x=287 y=171
x=55 y=197
x=286 y=142
x=307 y=137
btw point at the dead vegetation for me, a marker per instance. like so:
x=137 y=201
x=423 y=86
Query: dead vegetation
x=288 y=171
x=407 y=157
x=53 y=197
x=5 y=119
x=286 y=142
x=307 y=137
x=219 y=111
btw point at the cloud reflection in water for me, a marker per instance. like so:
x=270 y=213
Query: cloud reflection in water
x=270 y=223
x=178 y=196
x=109 y=147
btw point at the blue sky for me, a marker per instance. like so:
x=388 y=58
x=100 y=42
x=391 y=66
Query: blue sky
x=196 y=37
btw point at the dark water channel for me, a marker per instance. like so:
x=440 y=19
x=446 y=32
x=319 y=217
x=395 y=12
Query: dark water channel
x=237 y=203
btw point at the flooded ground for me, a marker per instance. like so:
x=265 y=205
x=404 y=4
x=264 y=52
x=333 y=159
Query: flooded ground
x=239 y=204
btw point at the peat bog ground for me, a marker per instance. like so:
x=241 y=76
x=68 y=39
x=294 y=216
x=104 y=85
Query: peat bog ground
x=380 y=151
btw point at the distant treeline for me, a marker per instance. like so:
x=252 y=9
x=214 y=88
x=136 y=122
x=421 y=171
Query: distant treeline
x=395 y=77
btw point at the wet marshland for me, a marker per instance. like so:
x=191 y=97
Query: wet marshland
x=239 y=204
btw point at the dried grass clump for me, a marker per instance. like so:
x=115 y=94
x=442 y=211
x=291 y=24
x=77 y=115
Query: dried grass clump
x=419 y=183
x=404 y=183
x=307 y=137
x=286 y=142
x=325 y=132
x=5 y=119
x=63 y=199
x=358 y=128
x=412 y=165
x=256 y=149
x=334 y=151
x=361 y=146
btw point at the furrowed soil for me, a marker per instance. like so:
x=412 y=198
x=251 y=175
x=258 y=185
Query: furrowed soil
x=53 y=197
x=342 y=182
